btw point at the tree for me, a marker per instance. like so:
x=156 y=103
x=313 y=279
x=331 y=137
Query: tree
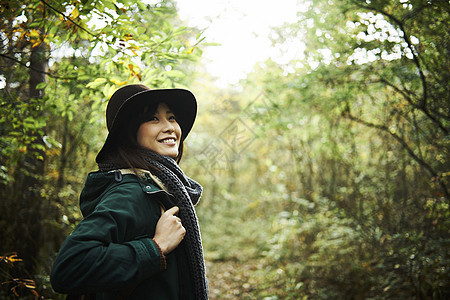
x=364 y=122
x=60 y=61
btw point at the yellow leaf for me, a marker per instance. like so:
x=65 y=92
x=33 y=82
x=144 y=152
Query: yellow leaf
x=10 y=259
x=30 y=285
x=190 y=50
x=75 y=13
x=127 y=37
x=138 y=76
x=133 y=47
x=34 y=33
x=17 y=29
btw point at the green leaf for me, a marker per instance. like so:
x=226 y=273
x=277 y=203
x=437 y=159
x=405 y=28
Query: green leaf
x=41 y=85
x=174 y=74
x=96 y=83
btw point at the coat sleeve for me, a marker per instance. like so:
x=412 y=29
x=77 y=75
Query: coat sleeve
x=111 y=248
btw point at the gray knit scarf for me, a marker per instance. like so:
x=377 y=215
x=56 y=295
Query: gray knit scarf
x=186 y=193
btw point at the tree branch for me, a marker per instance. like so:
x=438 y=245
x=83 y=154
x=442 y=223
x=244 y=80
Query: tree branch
x=36 y=70
x=411 y=102
x=408 y=42
x=69 y=19
x=346 y=113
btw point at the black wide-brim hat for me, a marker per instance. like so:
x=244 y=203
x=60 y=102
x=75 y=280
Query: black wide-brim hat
x=128 y=101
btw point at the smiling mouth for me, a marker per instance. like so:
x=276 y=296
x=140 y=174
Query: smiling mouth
x=168 y=141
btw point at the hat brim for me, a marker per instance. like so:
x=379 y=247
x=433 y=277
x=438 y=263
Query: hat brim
x=182 y=102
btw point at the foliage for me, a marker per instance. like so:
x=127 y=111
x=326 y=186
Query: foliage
x=324 y=178
x=343 y=191
x=61 y=60
x=366 y=171
x=16 y=284
x=93 y=44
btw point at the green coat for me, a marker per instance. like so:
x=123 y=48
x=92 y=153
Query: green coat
x=111 y=249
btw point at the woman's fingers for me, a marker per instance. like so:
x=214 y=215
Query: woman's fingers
x=173 y=211
x=169 y=230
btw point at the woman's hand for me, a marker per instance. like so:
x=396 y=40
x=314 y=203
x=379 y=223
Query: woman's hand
x=169 y=231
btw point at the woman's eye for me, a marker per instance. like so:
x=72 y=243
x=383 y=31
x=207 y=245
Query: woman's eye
x=172 y=118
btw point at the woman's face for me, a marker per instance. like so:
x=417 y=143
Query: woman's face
x=161 y=133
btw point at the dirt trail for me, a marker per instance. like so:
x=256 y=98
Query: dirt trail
x=231 y=280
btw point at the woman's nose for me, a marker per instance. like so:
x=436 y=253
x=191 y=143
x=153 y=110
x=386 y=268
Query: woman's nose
x=168 y=126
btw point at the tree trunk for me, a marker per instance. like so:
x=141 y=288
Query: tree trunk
x=29 y=176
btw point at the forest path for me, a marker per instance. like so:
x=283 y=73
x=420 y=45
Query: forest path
x=231 y=279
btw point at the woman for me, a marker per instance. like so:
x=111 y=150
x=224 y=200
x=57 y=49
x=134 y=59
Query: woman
x=139 y=238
